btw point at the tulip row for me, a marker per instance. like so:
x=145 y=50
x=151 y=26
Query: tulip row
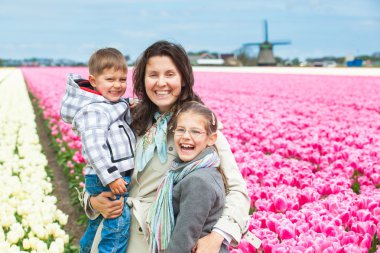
x=308 y=147
x=29 y=218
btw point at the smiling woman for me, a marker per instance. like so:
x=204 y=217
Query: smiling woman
x=162 y=82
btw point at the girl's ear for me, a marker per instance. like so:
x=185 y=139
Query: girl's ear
x=212 y=139
x=92 y=80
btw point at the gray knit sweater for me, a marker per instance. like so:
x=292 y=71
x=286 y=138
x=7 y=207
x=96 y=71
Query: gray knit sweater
x=198 y=202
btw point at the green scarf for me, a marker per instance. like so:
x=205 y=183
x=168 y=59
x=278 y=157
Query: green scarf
x=155 y=137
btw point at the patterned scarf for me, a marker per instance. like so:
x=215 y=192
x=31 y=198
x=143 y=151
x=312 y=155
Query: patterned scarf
x=160 y=220
x=154 y=138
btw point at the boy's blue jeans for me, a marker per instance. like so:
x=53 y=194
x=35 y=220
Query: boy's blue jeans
x=115 y=232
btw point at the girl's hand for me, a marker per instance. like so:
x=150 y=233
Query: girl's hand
x=110 y=209
x=210 y=243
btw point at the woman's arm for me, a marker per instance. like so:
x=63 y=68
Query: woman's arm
x=101 y=204
x=236 y=210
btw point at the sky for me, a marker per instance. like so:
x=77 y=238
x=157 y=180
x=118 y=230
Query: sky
x=74 y=29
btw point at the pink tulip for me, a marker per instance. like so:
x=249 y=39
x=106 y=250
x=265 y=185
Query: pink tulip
x=297 y=139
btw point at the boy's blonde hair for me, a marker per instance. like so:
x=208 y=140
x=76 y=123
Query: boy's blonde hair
x=106 y=58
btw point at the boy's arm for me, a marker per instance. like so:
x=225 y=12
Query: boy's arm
x=118 y=186
x=93 y=127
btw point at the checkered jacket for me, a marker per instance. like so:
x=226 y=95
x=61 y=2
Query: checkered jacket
x=108 y=142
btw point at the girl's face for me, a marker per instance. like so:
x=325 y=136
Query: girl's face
x=190 y=136
x=162 y=82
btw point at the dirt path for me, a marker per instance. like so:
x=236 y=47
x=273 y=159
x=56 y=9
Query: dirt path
x=60 y=185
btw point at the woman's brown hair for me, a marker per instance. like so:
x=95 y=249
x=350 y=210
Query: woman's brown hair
x=143 y=113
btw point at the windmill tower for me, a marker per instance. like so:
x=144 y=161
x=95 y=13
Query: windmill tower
x=266 y=57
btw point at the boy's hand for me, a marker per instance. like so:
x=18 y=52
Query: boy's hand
x=118 y=186
x=133 y=102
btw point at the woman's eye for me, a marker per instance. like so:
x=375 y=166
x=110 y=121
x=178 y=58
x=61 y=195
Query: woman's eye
x=152 y=75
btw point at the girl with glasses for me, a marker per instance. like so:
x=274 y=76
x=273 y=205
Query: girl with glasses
x=191 y=197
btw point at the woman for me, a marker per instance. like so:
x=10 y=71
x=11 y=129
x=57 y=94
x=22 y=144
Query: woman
x=163 y=80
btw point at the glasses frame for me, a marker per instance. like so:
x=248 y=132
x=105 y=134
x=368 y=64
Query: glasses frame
x=192 y=132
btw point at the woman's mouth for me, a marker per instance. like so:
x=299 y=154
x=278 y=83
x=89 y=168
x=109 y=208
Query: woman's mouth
x=162 y=92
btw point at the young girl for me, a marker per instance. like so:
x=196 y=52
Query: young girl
x=191 y=197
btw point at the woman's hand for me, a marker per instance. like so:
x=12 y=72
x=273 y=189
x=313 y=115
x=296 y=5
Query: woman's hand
x=110 y=209
x=210 y=243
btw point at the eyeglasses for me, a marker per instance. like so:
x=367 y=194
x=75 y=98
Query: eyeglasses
x=179 y=131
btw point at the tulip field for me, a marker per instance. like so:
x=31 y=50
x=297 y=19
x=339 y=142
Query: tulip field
x=29 y=218
x=308 y=147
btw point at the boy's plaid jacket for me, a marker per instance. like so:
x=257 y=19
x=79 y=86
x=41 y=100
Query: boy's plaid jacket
x=108 y=142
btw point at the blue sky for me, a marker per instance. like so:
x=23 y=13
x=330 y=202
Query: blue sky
x=74 y=29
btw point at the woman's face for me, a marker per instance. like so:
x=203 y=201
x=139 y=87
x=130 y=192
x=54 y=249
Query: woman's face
x=162 y=82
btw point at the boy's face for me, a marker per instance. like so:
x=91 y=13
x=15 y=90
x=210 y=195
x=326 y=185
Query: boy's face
x=110 y=83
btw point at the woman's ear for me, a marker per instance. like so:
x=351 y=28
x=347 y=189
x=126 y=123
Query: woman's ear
x=92 y=80
x=212 y=139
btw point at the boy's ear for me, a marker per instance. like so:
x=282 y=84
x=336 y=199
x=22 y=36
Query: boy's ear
x=92 y=80
x=212 y=139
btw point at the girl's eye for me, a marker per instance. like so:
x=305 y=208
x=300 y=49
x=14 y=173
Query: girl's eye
x=179 y=131
x=195 y=132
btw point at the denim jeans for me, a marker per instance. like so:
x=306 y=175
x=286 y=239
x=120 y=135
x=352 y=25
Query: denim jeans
x=115 y=232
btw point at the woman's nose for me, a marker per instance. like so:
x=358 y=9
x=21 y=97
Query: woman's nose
x=161 y=81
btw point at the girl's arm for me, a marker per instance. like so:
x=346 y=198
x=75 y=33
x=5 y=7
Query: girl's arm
x=236 y=209
x=197 y=197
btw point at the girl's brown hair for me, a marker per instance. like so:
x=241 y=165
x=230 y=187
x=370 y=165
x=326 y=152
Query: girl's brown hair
x=144 y=111
x=210 y=120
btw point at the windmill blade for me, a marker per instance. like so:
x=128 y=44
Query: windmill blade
x=251 y=44
x=281 y=43
x=266 y=30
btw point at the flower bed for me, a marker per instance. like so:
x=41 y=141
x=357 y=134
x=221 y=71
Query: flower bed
x=29 y=218
x=308 y=147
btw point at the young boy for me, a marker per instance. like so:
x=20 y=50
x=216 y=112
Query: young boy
x=101 y=117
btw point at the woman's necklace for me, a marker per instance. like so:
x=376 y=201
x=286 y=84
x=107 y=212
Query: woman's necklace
x=149 y=135
x=151 y=132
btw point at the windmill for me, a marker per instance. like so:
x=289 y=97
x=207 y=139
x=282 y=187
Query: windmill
x=266 y=57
